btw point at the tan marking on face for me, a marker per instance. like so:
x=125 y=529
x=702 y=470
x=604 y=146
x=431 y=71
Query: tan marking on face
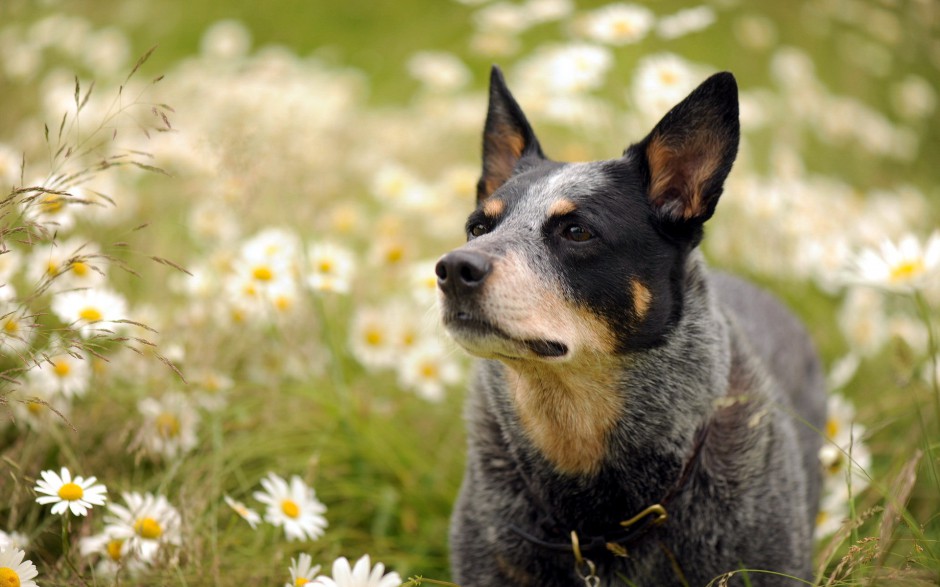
x=527 y=307
x=566 y=408
x=494 y=207
x=679 y=172
x=642 y=298
x=561 y=207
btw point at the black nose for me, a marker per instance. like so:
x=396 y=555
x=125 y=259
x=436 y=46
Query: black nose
x=462 y=272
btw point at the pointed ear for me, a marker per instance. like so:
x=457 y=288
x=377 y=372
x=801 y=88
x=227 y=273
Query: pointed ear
x=507 y=137
x=690 y=152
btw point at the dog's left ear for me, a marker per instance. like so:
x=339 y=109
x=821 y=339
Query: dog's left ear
x=689 y=153
x=507 y=138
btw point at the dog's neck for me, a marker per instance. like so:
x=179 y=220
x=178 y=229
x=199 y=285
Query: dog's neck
x=568 y=412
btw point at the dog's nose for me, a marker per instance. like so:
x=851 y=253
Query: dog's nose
x=462 y=271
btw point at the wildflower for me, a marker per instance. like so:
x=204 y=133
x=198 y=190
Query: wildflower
x=11 y=540
x=427 y=370
x=361 y=575
x=45 y=206
x=302 y=571
x=76 y=495
x=438 y=71
x=901 y=267
x=40 y=405
x=169 y=427
x=660 y=81
x=423 y=282
x=90 y=309
x=226 y=39
x=246 y=513
x=372 y=338
x=14 y=571
x=863 y=322
x=211 y=388
x=115 y=553
x=619 y=24
x=146 y=523
x=686 y=21
x=567 y=69
x=17 y=328
x=294 y=506
x=66 y=373
x=330 y=267
x=844 y=451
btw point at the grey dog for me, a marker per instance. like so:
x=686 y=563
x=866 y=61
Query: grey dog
x=636 y=418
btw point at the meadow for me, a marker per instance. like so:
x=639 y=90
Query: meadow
x=219 y=223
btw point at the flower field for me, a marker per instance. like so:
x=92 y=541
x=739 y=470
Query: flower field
x=220 y=358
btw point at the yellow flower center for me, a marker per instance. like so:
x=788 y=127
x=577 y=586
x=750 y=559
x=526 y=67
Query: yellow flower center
x=290 y=509
x=262 y=273
x=61 y=368
x=374 y=337
x=52 y=269
x=429 y=371
x=906 y=270
x=325 y=266
x=34 y=408
x=80 y=269
x=168 y=425
x=624 y=28
x=9 y=578
x=11 y=326
x=71 y=492
x=821 y=517
x=668 y=77
x=301 y=581
x=91 y=314
x=282 y=303
x=114 y=549
x=148 y=528
x=394 y=254
x=832 y=428
x=836 y=465
x=52 y=204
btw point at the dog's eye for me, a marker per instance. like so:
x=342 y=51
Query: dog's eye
x=577 y=233
x=477 y=229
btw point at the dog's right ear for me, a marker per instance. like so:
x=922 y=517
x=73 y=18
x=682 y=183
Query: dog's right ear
x=507 y=138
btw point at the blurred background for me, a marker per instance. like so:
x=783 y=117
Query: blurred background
x=262 y=189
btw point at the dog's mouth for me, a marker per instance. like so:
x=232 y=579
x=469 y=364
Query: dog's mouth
x=485 y=339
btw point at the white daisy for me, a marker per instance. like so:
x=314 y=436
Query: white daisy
x=688 y=20
x=361 y=575
x=40 y=406
x=901 y=266
x=169 y=427
x=293 y=506
x=17 y=328
x=423 y=282
x=302 y=571
x=844 y=450
x=372 y=338
x=661 y=81
x=619 y=24
x=90 y=310
x=329 y=267
x=146 y=523
x=114 y=553
x=246 y=513
x=59 y=372
x=439 y=71
x=14 y=571
x=76 y=495
x=54 y=210
x=11 y=540
x=427 y=370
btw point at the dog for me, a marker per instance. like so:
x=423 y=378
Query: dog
x=635 y=417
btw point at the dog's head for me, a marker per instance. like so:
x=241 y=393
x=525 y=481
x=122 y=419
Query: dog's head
x=568 y=260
